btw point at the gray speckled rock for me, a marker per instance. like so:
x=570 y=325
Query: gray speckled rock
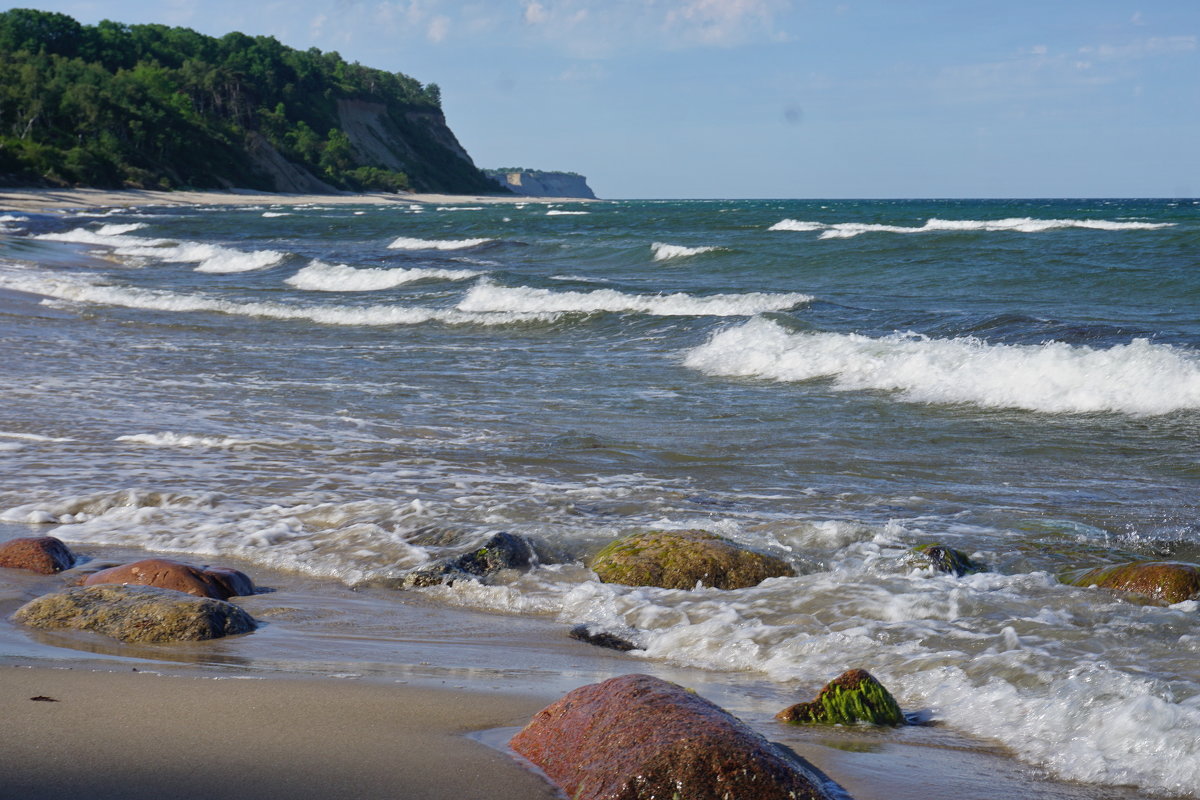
x=134 y=613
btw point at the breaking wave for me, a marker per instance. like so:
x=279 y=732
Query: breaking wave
x=321 y=277
x=1140 y=378
x=486 y=296
x=847 y=230
x=408 y=243
x=207 y=257
x=665 y=252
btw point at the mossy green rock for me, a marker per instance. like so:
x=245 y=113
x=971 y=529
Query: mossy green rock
x=853 y=696
x=946 y=559
x=134 y=613
x=1167 y=581
x=680 y=559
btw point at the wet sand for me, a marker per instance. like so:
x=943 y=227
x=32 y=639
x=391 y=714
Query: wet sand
x=41 y=200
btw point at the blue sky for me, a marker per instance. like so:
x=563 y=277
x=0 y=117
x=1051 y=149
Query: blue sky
x=779 y=98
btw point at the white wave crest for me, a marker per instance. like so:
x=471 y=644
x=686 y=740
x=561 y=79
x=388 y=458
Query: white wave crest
x=554 y=212
x=321 y=277
x=115 y=229
x=408 y=243
x=847 y=230
x=168 y=439
x=664 y=252
x=31 y=437
x=208 y=257
x=1140 y=378
x=272 y=214
x=157 y=300
x=487 y=296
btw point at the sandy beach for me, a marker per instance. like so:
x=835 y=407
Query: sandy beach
x=41 y=200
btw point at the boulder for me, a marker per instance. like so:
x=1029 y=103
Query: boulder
x=217 y=582
x=1166 y=581
x=680 y=559
x=134 y=613
x=501 y=551
x=945 y=559
x=44 y=554
x=637 y=737
x=854 y=696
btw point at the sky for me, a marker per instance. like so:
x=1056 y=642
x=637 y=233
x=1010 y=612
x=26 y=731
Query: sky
x=778 y=98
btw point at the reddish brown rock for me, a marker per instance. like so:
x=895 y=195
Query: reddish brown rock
x=43 y=554
x=637 y=737
x=220 y=583
x=1168 y=581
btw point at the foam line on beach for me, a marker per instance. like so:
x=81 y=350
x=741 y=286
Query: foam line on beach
x=848 y=230
x=487 y=296
x=1141 y=378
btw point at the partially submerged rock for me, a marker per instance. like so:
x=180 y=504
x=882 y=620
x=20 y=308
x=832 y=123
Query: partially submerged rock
x=1167 y=581
x=600 y=638
x=502 y=551
x=946 y=559
x=681 y=559
x=853 y=696
x=220 y=583
x=44 y=554
x=637 y=737
x=136 y=613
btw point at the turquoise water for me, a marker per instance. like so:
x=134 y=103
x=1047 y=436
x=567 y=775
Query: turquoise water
x=318 y=388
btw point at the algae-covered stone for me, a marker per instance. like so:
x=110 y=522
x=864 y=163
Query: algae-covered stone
x=134 y=613
x=946 y=559
x=637 y=737
x=1168 y=581
x=680 y=559
x=853 y=696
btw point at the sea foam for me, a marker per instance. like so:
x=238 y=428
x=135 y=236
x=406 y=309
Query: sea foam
x=1140 y=378
x=169 y=439
x=408 y=243
x=489 y=297
x=321 y=277
x=847 y=230
x=207 y=257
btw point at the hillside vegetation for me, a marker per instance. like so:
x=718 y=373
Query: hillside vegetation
x=152 y=106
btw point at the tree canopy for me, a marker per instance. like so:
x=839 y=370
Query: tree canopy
x=154 y=106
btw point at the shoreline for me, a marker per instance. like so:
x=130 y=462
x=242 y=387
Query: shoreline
x=49 y=200
x=381 y=693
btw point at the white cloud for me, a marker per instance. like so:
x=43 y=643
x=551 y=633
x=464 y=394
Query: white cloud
x=535 y=13
x=722 y=22
x=439 y=26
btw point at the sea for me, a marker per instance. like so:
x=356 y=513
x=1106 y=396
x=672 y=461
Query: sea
x=346 y=392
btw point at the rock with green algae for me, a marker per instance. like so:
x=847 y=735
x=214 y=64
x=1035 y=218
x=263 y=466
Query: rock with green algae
x=854 y=696
x=135 y=613
x=946 y=559
x=681 y=559
x=1166 y=581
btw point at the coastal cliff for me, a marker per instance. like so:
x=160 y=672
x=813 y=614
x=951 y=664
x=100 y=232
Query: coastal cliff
x=153 y=107
x=537 y=183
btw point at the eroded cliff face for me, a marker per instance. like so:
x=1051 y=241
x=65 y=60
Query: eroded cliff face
x=536 y=183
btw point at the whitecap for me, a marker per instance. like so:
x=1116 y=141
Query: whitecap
x=169 y=439
x=665 y=252
x=486 y=296
x=1141 y=378
x=408 y=243
x=321 y=277
x=847 y=230
x=208 y=257
x=554 y=212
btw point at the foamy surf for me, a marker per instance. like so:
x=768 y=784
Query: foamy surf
x=207 y=257
x=487 y=296
x=159 y=300
x=666 y=252
x=409 y=243
x=1140 y=378
x=554 y=212
x=847 y=230
x=321 y=277
x=169 y=439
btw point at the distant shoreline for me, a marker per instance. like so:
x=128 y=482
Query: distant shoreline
x=44 y=200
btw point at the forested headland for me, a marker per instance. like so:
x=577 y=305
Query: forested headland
x=151 y=106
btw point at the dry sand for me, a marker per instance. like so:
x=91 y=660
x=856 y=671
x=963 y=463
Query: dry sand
x=58 y=199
